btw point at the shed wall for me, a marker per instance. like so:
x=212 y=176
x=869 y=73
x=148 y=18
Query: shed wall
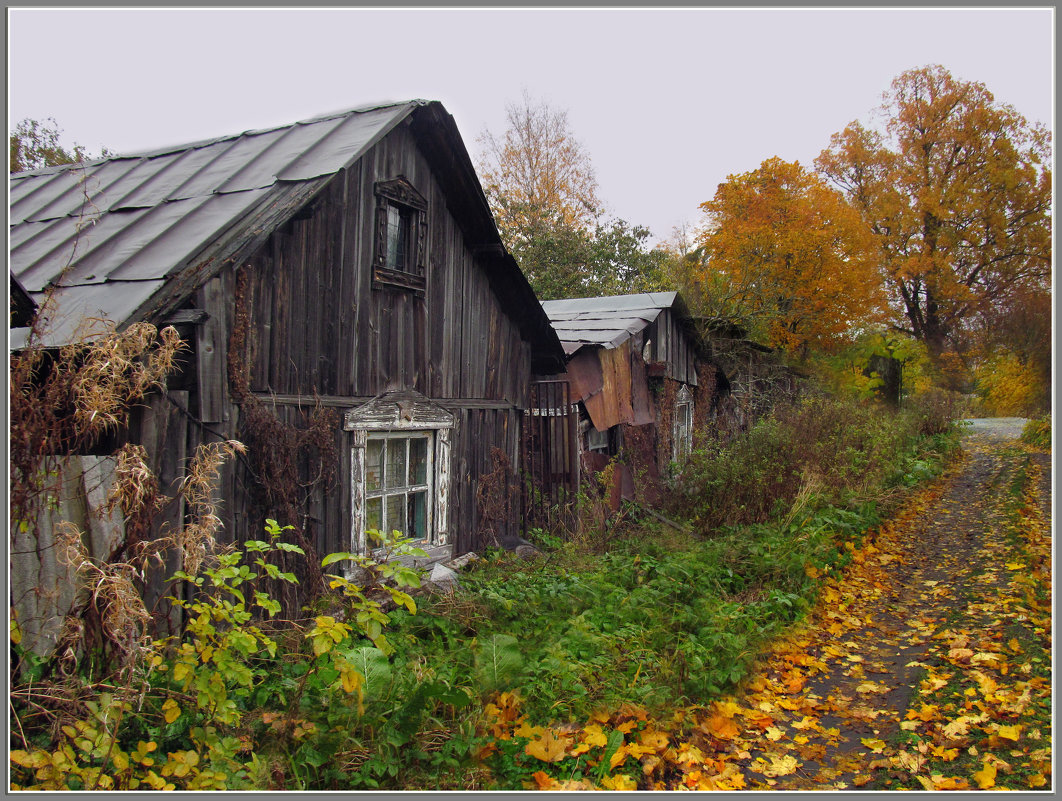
x=319 y=326
x=669 y=343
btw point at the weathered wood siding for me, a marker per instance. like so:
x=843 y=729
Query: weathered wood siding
x=669 y=343
x=317 y=324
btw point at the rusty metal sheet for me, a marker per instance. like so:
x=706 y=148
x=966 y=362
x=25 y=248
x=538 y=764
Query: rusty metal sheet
x=601 y=379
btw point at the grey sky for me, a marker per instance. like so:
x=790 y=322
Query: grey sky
x=667 y=102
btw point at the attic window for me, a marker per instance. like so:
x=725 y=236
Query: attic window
x=399 y=253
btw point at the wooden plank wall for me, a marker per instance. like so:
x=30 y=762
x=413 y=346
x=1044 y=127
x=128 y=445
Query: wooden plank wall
x=318 y=325
x=670 y=343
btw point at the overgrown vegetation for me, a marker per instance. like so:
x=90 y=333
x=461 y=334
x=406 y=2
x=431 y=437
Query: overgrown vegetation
x=823 y=450
x=374 y=689
x=1038 y=433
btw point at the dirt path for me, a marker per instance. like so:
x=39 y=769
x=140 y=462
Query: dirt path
x=931 y=603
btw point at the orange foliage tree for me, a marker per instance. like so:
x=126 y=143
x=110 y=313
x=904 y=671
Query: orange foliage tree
x=785 y=256
x=957 y=189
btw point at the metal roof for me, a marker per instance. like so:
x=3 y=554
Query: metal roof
x=605 y=321
x=109 y=233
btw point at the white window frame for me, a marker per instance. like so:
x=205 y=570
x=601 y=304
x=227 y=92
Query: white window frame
x=682 y=445
x=384 y=493
x=401 y=415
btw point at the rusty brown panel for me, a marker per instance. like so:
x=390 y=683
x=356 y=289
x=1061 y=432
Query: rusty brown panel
x=593 y=462
x=584 y=374
x=612 y=405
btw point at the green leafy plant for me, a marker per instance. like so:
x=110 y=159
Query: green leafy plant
x=1038 y=432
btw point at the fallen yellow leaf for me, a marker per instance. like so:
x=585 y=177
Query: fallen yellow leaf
x=653 y=740
x=594 y=735
x=986 y=777
x=1009 y=732
x=871 y=687
x=689 y=754
x=912 y=763
x=543 y=780
x=773 y=733
x=722 y=728
x=525 y=729
x=547 y=747
x=726 y=708
x=778 y=766
x=620 y=782
x=947 y=754
x=877 y=746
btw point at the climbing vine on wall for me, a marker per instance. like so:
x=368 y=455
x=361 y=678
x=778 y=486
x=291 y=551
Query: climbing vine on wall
x=288 y=462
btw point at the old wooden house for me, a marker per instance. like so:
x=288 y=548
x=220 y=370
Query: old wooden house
x=351 y=312
x=641 y=381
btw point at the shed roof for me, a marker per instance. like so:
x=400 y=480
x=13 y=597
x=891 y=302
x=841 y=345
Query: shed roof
x=110 y=232
x=123 y=238
x=607 y=321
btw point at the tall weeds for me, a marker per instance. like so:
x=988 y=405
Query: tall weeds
x=821 y=450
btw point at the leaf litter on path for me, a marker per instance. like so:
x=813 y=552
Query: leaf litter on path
x=925 y=665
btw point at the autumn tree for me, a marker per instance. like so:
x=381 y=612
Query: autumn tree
x=537 y=175
x=786 y=257
x=540 y=183
x=36 y=143
x=957 y=189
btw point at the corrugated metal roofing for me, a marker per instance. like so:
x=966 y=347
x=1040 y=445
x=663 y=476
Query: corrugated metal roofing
x=110 y=232
x=604 y=321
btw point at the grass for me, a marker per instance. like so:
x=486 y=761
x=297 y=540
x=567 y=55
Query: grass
x=653 y=618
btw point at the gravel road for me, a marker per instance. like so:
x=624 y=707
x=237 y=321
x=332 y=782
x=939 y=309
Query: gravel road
x=997 y=427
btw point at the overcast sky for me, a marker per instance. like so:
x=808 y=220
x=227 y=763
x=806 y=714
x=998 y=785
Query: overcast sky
x=667 y=102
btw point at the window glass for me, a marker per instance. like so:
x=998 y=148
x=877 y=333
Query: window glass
x=597 y=440
x=399 y=236
x=374 y=513
x=395 y=461
x=395 y=514
x=398 y=484
x=374 y=464
x=683 y=429
x=418 y=461
x=417 y=515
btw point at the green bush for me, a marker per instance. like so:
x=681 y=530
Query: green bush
x=1038 y=433
x=823 y=450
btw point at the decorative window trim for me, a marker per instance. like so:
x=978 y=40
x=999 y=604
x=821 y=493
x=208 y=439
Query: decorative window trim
x=401 y=194
x=401 y=412
x=682 y=425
